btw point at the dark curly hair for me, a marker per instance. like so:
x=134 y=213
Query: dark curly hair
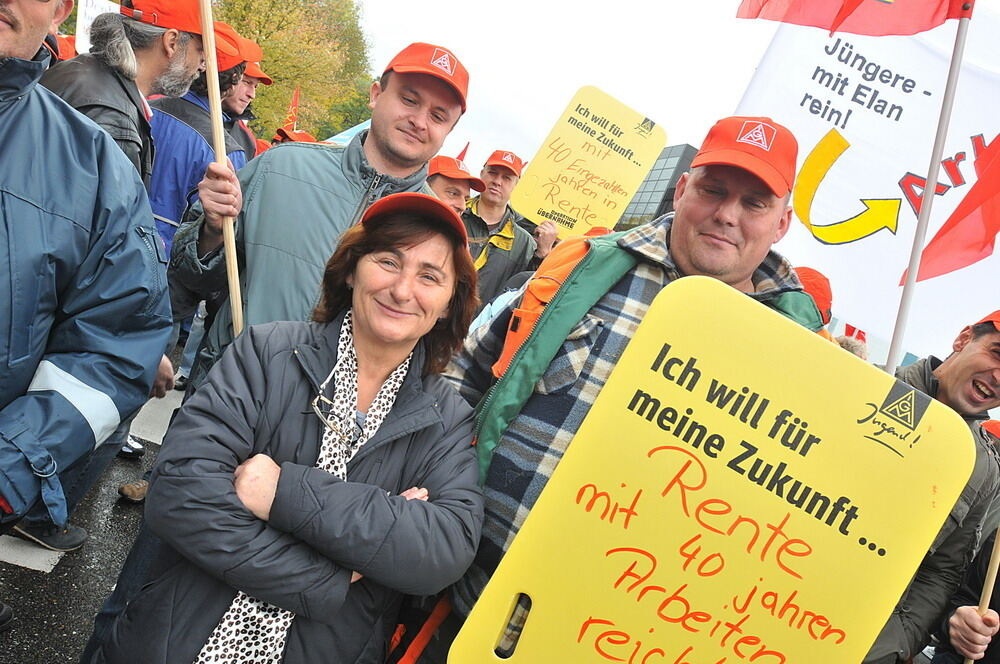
x=227 y=80
x=403 y=229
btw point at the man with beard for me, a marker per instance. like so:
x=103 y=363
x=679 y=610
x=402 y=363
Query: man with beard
x=87 y=315
x=182 y=130
x=153 y=47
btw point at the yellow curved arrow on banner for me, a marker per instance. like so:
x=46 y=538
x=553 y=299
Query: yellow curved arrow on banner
x=878 y=214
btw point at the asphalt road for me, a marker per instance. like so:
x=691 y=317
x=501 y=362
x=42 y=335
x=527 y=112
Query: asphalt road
x=54 y=610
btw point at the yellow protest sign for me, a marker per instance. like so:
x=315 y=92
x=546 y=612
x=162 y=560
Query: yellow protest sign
x=590 y=166
x=741 y=490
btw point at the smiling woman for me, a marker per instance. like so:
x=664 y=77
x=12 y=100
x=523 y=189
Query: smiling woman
x=324 y=469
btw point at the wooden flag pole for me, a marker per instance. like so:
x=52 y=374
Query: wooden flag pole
x=219 y=144
x=991 y=578
x=896 y=345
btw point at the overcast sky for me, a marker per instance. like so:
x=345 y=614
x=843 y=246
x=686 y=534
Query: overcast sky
x=683 y=64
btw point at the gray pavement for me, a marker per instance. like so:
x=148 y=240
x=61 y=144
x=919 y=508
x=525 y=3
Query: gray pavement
x=55 y=596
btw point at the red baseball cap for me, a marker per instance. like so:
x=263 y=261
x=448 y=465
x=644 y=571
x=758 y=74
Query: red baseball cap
x=232 y=48
x=418 y=203
x=992 y=318
x=818 y=287
x=437 y=61
x=295 y=136
x=453 y=168
x=758 y=145
x=507 y=160
x=253 y=70
x=183 y=15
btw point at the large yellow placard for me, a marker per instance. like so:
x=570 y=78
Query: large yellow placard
x=741 y=490
x=590 y=166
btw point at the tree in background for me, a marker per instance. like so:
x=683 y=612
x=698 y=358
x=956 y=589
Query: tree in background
x=317 y=45
x=348 y=111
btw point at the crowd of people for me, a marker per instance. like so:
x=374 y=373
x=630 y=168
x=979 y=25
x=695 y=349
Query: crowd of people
x=317 y=497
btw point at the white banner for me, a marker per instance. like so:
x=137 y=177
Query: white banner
x=87 y=11
x=864 y=110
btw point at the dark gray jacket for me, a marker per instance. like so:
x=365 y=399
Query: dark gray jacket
x=513 y=251
x=257 y=400
x=112 y=101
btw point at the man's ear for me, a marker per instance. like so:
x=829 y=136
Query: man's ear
x=374 y=93
x=784 y=224
x=963 y=339
x=61 y=14
x=169 y=40
x=681 y=184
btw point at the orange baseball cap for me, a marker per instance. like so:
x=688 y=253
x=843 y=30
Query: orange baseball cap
x=818 y=287
x=231 y=47
x=183 y=15
x=992 y=318
x=253 y=70
x=507 y=160
x=295 y=136
x=418 y=203
x=437 y=61
x=450 y=167
x=992 y=426
x=758 y=145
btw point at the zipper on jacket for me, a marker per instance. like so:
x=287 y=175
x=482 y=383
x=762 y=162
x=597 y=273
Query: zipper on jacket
x=484 y=406
x=370 y=195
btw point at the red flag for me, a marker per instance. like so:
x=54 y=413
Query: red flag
x=970 y=233
x=461 y=155
x=861 y=17
x=851 y=331
x=291 y=120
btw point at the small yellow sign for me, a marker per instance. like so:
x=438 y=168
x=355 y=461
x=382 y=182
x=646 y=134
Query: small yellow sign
x=590 y=166
x=741 y=490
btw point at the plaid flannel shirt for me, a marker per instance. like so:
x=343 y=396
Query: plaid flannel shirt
x=536 y=440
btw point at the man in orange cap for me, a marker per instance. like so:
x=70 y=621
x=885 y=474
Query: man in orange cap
x=237 y=105
x=182 y=129
x=968 y=382
x=729 y=210
x=450 y=181
x=151 y=47
x=301 y=196
x=500 y=246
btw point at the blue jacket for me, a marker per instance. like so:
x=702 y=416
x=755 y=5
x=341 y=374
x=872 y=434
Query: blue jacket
x=84 y=314
x=182 y=133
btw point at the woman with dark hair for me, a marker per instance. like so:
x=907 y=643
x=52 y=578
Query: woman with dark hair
x=325 y=468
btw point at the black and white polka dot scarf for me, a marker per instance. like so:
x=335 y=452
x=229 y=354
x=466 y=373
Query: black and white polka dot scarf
x=253 y=631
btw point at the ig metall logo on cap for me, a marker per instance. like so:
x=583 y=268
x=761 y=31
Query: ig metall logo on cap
x=442 y=60
x=759 y=134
